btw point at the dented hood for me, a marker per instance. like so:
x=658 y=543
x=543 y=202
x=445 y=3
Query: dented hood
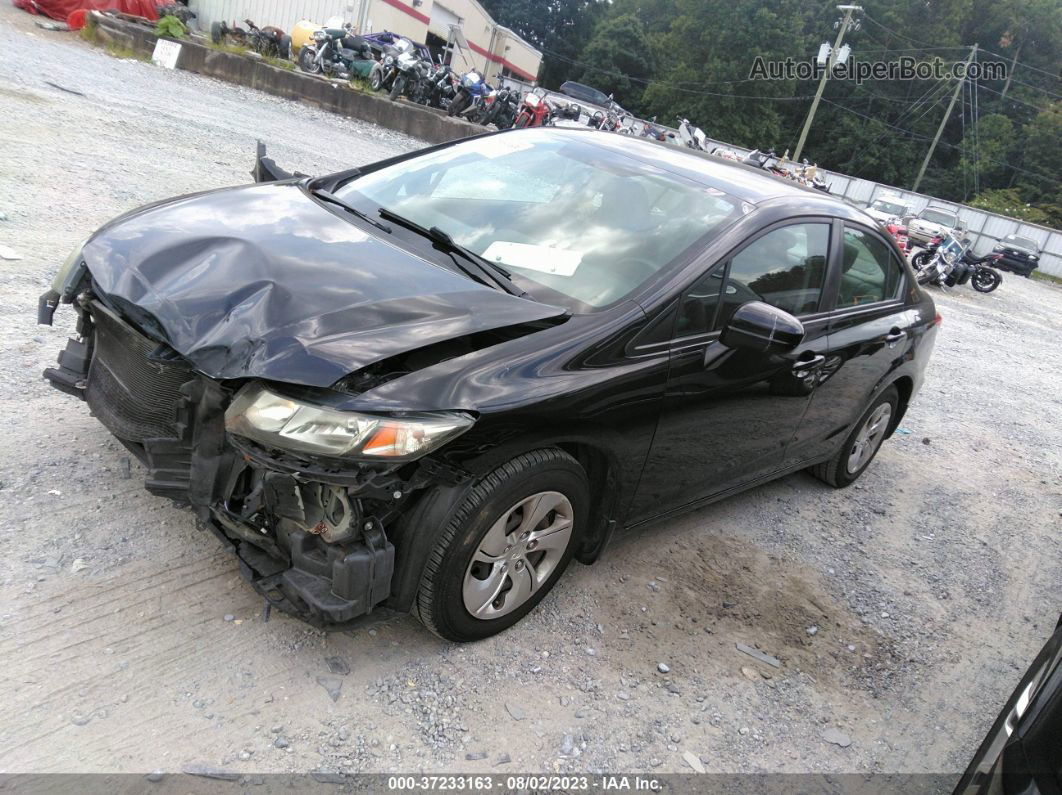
x=265 y=282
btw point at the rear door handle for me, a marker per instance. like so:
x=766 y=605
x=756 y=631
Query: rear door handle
x=894 y=336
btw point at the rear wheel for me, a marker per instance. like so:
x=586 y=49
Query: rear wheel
x=506 y=545
x=862 y=443
x=985 y=280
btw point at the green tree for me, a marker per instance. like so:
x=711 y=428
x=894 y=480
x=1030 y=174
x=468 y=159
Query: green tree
x=987 y=151
x=618 y=60
x=559 y=28
x=1008 y=202
x=1041 y=161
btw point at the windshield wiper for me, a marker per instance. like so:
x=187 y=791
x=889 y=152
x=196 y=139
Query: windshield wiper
x=332 y=198
x=481 y=269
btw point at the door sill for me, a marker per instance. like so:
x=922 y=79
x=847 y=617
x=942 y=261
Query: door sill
x=730 y=492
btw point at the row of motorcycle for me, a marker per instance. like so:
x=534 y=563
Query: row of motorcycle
x=947 y=262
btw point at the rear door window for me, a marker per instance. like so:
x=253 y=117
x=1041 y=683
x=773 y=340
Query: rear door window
x=869 y=271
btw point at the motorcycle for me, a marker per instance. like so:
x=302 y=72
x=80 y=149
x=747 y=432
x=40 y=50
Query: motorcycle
x=269 y=41
x=223 y=33
x=950 y=263
x=898 y=232
x=534 y=111
x=335 y=52
x=499 y=108
x=442 y=87
x=691 y=136
x=411 y=76
x=472 y=86
x=606 y=122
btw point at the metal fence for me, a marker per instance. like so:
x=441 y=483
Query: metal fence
x=984 y=229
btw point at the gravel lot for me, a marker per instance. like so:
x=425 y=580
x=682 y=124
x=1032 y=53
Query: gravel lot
x=903 y=610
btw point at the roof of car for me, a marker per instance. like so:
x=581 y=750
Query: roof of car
x=736 y=179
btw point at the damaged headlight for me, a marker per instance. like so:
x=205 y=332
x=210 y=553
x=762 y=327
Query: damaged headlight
x=276 y=421
x=69 y=273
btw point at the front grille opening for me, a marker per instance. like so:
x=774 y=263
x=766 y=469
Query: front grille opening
x=133 y=395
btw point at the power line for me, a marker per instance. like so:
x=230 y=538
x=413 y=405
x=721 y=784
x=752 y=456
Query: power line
x=919 y=136
x=1037 y=108
x=990 y=52
x=675 y=86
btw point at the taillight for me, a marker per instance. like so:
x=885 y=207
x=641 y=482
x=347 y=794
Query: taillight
x=938 y=320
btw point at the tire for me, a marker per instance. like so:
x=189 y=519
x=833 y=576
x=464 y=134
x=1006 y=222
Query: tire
x=921 y=259
x=284 y=48
x=985 y=280
x=452 y=573
x=308 y=60
x=458 y=105
x=397 y=87
x=217 y=32
x=376 y=79
x=836 y=472
x=522 y=120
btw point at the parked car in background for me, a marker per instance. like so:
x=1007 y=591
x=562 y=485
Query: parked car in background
x=935 y=222
x=1022 y=753
x=430 y=382
x=1021 y=255
x=587 y=94
x=885 y=208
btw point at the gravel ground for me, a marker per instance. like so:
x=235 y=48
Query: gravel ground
x=902 y=611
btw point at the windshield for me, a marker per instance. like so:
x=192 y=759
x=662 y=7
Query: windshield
x=1024 y=242
x=892 y=208
x=950 y=249
x=938 y=217
x=575 y=223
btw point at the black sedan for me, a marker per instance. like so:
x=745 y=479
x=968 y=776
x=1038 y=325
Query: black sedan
x=426 y=384
x=1023 y=750
x=1020 y=254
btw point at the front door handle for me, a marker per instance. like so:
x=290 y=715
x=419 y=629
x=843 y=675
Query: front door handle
x=894 y=336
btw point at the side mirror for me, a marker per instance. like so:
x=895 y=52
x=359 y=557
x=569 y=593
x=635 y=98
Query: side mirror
x=762 y=328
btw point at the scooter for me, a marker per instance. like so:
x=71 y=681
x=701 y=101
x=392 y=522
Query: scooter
x=691 y=136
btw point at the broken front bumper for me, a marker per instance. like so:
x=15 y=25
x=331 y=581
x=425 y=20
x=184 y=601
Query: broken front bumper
x=310 y=537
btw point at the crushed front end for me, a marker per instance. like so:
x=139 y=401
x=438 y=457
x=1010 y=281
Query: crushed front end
x=310 y=533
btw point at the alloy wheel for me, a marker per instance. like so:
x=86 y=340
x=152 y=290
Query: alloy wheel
x=518 y=554
x=870 y=437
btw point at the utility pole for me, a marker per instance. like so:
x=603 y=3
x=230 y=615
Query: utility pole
x=947 y=113
x=825 y=76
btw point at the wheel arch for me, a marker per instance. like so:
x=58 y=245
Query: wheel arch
x=417 y=530
x=905 y=389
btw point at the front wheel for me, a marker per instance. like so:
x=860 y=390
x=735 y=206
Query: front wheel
x=921 y=259
x=985 y=280
x=397 y=87
x=308 y=60
x=505 y=546
x=458 y=104
x=862 y=443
